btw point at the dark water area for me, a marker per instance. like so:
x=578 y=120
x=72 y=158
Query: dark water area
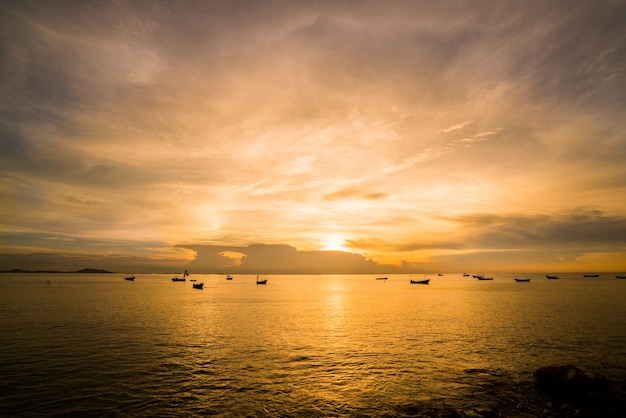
x=321 y=346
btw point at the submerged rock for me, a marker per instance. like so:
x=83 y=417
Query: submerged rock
x=568 y=382
x=573 y=393
x=555 y=392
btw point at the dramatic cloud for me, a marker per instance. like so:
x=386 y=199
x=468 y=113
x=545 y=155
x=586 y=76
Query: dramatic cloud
x=281 y=259
x=420 y=135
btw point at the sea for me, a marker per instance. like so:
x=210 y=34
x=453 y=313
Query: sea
x=96 y=345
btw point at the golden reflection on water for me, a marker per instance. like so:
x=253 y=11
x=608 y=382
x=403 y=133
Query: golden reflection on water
x=336 y=344
x=334 y=304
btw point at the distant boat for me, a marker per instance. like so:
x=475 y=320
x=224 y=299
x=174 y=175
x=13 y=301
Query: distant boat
x=381 y=278
x=484 y=278
x=521 y=280
x=551 y=277
x=229 y=277
x=440 y=274
x=426 y=281
x=130 y=278
x=620 y=276
x=264 y=281
x=197 y=285
x=477 y=276
x=466 y=275
x=181 y=279
x=591 y=275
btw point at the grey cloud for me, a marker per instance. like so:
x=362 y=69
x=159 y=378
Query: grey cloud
x=67 y=252
x=81 y=201
x=60 y=261
x=420 y=40
x=282 y=259
x=577 y=231
x=579 y=228
x=573 y=53
x=33 y=159
x=67 y=242
x=14 y=148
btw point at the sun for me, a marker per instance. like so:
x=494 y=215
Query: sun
x=333 y=243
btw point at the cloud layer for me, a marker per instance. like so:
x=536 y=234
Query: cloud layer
x=414 y=134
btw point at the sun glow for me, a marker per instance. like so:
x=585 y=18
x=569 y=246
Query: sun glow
x=334 y=243
x=292 y=157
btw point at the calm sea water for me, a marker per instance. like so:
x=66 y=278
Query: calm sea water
x=96 y=345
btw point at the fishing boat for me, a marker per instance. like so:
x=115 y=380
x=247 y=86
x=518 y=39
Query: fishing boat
x=551 y=277
x=521 y=280
x=591 y=275
x=264 y=281
x=381 y=278
x=229 y=277
x=425 y=281
x=197 y=285
x=477 y=276
x=620 y=276
x=181 y=279
x=484 y=278
x=466 y=275
x=130 y=278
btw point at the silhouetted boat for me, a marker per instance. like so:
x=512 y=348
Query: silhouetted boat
x=197 y=285
x=440 y=274
x=130 y=278
x=264 y=281
x=521 y=280
x=381 y=278
x=181 y=279
x=229 y=277
x=591 y=275
x=477 y=276
x=426 y=281
x=551 y=277
x=620 y=276
x=466 y=275
x=484 y=278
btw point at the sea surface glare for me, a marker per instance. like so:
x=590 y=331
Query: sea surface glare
x=321 y=346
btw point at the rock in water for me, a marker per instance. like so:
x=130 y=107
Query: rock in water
x=567 y=382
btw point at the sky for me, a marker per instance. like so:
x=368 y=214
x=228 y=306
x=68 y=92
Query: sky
x=313 y=136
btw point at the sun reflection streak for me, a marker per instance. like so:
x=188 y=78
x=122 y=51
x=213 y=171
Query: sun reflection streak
x=334 y=307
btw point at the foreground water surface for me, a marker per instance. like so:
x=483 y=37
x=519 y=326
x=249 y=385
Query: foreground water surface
x=97 y=345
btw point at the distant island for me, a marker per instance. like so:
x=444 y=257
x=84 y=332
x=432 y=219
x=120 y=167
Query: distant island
x=83 y=271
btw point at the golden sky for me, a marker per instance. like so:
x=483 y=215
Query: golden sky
x=327 y=136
